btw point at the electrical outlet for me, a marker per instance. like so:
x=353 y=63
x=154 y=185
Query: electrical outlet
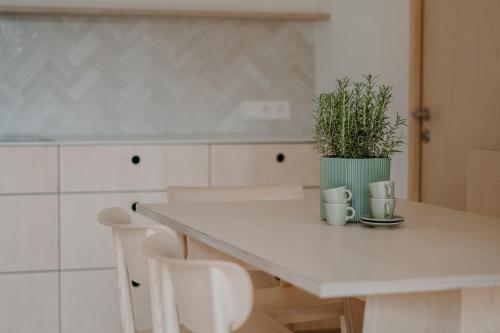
x=265 y=110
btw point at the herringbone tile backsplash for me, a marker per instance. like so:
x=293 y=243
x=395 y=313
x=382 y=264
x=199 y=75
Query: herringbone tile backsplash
x=85 y=76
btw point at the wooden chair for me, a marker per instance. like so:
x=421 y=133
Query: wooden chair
x=201 y=296
x=132 y=266
x=287 y=304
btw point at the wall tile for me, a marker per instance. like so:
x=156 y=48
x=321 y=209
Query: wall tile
x=87 y=76
x=29 y=303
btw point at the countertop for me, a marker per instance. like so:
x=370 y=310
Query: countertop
x=149 y=140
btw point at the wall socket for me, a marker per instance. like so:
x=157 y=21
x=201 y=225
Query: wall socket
x=265 y=110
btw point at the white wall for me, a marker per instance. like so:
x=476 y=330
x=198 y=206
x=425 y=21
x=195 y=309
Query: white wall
x=368 y=36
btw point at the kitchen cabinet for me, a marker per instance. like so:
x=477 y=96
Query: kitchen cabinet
x=65 y=186
x=29 y=303
x=261 y=164
x=86 y=244
x=29 y=237
x=28 y=169
x=126 y=168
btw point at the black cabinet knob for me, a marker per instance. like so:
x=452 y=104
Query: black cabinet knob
x=135 y=284
x=136 y=159
x=134 y=206
x=280 y=158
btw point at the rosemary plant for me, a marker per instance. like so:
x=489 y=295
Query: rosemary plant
x=352 y=122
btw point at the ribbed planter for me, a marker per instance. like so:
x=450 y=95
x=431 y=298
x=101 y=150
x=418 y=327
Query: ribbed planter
x=356 y=174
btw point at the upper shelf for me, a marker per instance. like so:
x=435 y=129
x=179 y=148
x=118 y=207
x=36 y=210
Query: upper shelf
x=296 y=10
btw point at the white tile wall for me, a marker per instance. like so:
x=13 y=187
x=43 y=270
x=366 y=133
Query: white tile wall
x=29 y=303
x=88 y=76
x=89 y=302
x=84 y=242
x=29 y=237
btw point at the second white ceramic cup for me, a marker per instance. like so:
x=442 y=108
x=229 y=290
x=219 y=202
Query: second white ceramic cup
x=382 y=208
x=382 y=190
x=336 y=214
x=337 y=195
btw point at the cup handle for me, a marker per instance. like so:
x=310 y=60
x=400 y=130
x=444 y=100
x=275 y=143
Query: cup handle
x=353 y=213
x=348 y=195
x=388 y=190
x=387 y=209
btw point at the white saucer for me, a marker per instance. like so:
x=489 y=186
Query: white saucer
x=394 y=219
x=385 y=223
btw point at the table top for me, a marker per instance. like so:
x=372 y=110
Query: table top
x=434 y=249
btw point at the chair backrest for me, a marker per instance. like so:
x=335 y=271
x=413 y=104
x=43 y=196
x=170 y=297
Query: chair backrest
x=203 y=296
x=237 y=193
x=132 y=264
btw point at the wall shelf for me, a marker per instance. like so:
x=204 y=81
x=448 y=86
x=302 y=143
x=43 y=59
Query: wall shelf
x=172 y=13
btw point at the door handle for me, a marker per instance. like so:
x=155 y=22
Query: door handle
x=424 y=114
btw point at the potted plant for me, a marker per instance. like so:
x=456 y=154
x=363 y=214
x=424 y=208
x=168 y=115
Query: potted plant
x=356 y=137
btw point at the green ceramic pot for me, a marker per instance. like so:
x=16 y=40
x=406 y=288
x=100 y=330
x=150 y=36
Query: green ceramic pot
x=356 y=174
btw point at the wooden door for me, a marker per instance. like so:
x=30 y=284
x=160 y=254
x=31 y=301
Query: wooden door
x=461 y=88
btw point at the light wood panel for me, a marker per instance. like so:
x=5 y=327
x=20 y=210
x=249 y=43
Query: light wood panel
x=415 y=99
x=458 y=311
x=354 y=310
x=29 y=303
x=461 y=80
x=434 y=249
x=483 y=182
x=79 y=227
x=28 y=169
x=413 y=313
x=242 y=165
x=480 y=310
x=110 y=168
x=89 y=302
x=173 y=13
x=29 y=236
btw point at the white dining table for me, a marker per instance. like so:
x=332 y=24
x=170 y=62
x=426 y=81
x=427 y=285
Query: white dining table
x=439 y=271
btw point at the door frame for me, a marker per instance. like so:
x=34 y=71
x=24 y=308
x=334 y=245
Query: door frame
x=416 y=83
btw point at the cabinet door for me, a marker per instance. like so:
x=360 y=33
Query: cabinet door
x=29 y=303
x=84 y=242
x=28 y=240
x=261 y=164
x=28 y=169
x=90 y=302
x=145 y=168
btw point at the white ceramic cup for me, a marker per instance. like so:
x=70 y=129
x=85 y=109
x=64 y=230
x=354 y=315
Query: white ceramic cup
x=337 y=195
x=382 y=208
x=382 y=190
x=336 y=214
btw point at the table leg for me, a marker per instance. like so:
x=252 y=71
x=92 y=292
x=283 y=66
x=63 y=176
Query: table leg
x=481 y=310
x=353 y=312
x=460 y=311
x=437 y=312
